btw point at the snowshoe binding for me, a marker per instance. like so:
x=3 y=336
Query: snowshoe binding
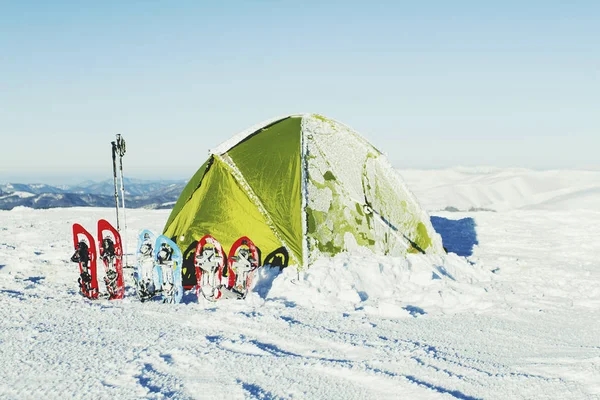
x=146 y=280
x=243 y=261
x=85 y=256
x=111 y=253
x=168 y=259
x=209 y=261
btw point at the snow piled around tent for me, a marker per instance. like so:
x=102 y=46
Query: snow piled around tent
x=391 y=287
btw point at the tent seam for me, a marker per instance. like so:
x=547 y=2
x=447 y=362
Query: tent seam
x=304 y=189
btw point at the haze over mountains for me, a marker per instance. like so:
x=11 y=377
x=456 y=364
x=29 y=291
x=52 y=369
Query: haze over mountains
x=452 y=189
x=139 y=194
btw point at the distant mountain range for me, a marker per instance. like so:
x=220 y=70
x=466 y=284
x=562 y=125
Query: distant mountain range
x=138 y=194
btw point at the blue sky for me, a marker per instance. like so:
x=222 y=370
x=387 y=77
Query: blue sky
x=433 y=84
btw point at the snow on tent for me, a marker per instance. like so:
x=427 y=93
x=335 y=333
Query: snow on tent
x=301 y=187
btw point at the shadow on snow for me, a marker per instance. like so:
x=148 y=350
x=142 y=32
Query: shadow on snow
x=458 y=235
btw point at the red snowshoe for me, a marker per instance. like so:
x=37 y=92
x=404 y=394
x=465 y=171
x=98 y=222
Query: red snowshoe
x=210 y=261
x=85 y=255
x=111 y=253
x=243 y=261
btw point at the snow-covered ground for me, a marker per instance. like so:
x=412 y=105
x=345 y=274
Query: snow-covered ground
x=516 y=315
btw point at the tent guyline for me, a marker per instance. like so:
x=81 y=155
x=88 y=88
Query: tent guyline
x=292 y=184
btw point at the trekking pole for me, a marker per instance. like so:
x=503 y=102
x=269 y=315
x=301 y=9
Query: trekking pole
x=121 y=150
x=114 y=158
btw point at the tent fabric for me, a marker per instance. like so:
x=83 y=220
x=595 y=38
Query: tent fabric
x=222 y=208
x=189 y=190
x=308 y=185
x=345 y=174
x=270 y=163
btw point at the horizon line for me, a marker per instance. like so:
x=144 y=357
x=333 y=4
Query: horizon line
x=61 y=179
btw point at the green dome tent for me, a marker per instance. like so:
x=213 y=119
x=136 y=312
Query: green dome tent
x=301 y=187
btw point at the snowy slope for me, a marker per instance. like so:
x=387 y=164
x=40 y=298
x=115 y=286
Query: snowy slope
x=505 y=189
x=349 y=328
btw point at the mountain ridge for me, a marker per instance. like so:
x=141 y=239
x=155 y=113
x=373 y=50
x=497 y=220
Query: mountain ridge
x=138 y=194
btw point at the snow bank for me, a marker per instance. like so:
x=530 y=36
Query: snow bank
x=391 y=287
